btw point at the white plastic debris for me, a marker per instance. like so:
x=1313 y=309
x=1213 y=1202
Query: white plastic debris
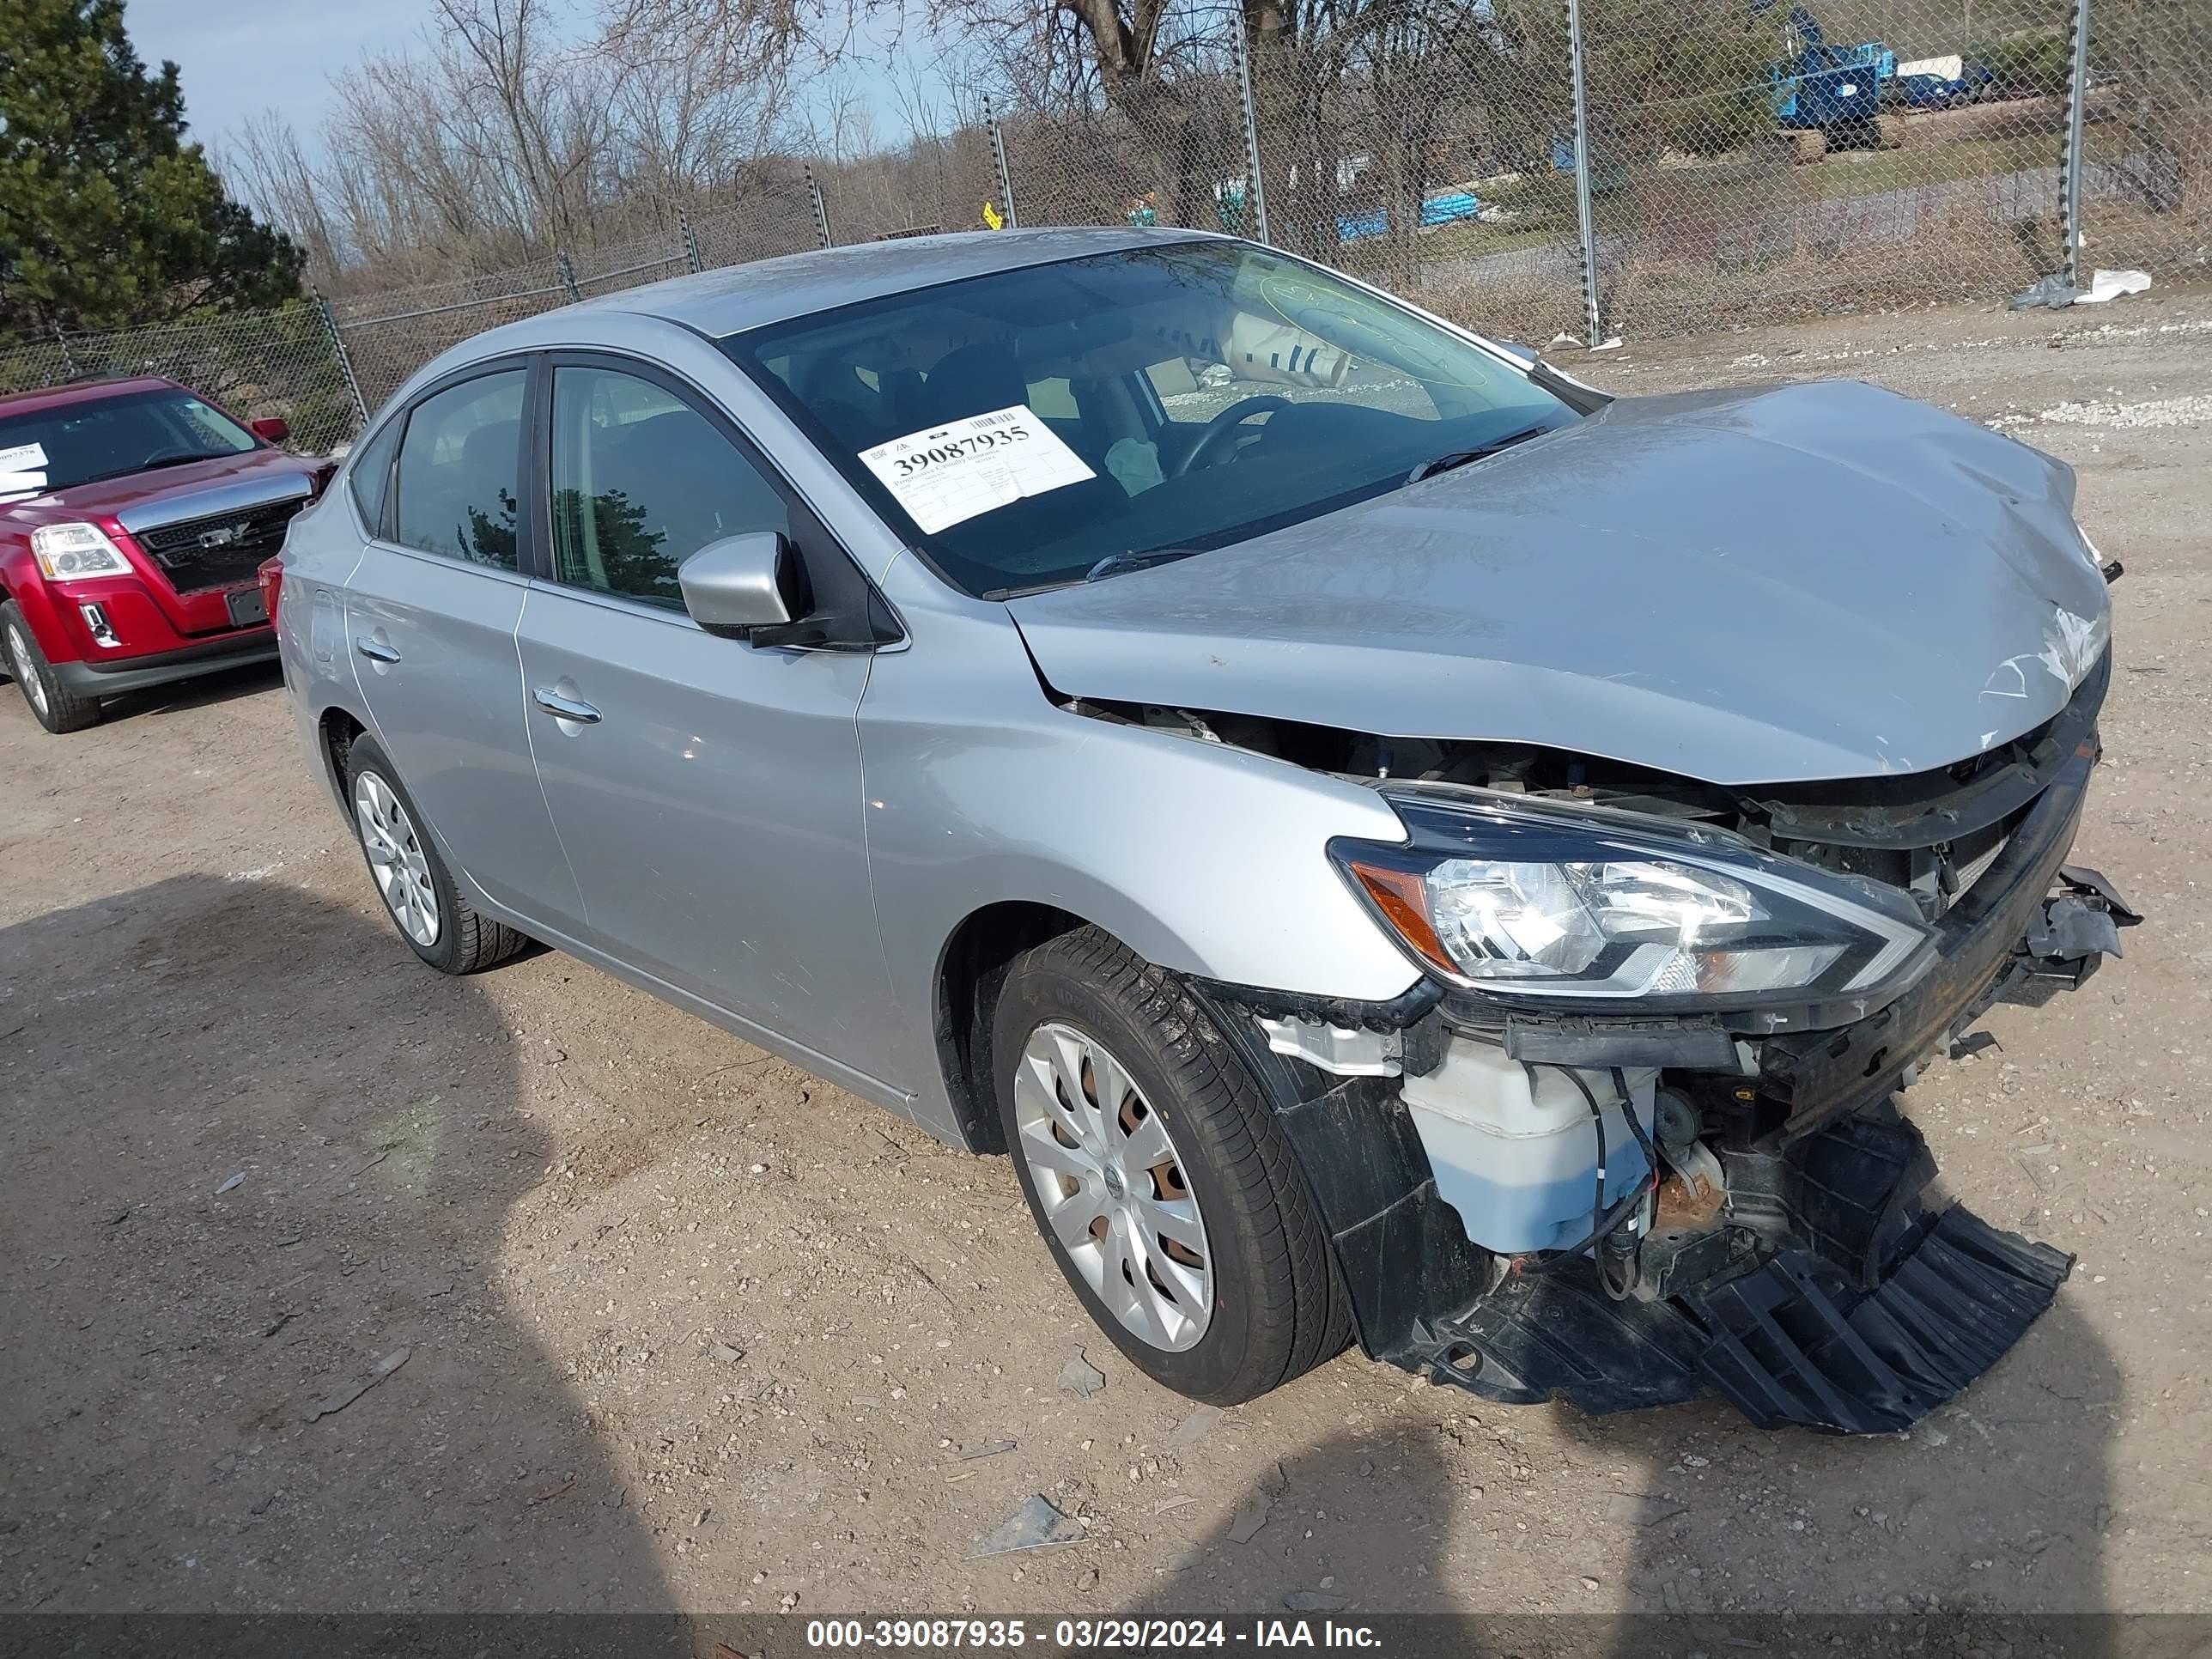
x=2111 y=285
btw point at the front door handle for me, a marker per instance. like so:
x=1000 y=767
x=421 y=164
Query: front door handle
x=566 y=709
x=375 y=650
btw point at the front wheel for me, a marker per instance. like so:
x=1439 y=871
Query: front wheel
x=1166 y=1189
x=53 y=705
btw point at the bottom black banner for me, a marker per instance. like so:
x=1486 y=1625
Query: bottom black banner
x=1346 y=1631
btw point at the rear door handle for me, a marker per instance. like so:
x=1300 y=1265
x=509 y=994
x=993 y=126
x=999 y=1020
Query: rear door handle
x=566 y=708
x=375 y=650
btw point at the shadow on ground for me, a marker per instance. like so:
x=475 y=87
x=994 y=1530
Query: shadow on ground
x=1997 y=1505
x=234 y=1181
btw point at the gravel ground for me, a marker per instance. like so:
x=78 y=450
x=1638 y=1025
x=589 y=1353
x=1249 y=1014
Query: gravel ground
x=679 y=1325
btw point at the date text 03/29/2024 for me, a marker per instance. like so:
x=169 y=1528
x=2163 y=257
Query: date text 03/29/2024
x=1084 y=1635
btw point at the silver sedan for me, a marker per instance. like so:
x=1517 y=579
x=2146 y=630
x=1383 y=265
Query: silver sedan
x=1398 y=845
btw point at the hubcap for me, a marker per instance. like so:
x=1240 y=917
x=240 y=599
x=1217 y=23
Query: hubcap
x=1112 y=1187
x=395 y=860
x=19 y=663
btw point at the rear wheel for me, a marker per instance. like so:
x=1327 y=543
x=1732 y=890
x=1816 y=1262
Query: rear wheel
x=438 y=924
x=52 y=704
x=1165 y=1190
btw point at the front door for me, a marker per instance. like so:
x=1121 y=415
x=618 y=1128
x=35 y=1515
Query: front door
x=430 y=617
x=707 y=793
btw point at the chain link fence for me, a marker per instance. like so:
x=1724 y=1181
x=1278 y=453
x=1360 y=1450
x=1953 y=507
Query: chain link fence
x=1894 y=151
x=256 y=364
x=1584 y=167
x=1167 y=149
x=2147 y=136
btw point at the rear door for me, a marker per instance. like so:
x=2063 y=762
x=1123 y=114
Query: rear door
x=430 y=619
x=709 y=794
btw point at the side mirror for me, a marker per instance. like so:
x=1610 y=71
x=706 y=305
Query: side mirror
x=743 y=583
x=272 y=430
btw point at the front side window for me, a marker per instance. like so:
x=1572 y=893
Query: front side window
x=455 y=488
x=78 y=443
x=642 y=481
x=1032 y=426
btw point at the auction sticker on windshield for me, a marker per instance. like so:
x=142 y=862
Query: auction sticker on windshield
x=22 y=470
x=944 y=474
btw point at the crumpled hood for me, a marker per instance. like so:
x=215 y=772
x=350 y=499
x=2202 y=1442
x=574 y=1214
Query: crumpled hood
x=1743 y=586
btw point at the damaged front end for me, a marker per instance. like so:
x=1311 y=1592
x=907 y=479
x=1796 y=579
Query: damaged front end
x=1663 y=1162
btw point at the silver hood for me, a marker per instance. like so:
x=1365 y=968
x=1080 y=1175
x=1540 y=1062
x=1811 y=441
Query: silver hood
x=1743 y=586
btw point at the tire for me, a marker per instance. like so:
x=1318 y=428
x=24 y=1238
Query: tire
x=52 y=704
x=419 y=895
x=1273 y=1307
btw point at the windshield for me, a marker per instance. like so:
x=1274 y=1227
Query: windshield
x=1039 y=426
x=78 y=443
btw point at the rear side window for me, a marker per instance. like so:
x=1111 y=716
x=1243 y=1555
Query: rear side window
x=456 y=485
x=642 y=481
x=371 y=477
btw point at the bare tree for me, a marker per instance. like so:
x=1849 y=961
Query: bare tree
x=510 y=131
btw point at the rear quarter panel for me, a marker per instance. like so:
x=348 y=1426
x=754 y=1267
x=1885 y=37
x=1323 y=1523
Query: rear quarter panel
x=321 y=550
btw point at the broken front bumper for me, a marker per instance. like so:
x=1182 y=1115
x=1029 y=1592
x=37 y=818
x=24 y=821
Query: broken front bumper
x=1817 y=1289
x=2009 y=930
x=1881 y=1313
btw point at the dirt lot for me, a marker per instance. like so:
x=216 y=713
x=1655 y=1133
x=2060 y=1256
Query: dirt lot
x=686 y=1328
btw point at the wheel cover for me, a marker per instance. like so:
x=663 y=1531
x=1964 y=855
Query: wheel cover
x=1112 y=1187
x=26 y=676
x=396 y=859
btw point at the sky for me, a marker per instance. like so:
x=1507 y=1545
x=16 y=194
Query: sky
x=239 y=57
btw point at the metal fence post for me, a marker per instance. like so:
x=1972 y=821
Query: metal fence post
x=344 y=357
x=69 y=357
x=568 y=276
x=999 y=160
x=820 y=208
x=1583 y=227
x=2069 y=161
x=692 y=262
x=1255 y=195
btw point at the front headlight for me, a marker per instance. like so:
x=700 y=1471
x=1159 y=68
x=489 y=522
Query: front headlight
x=1527 y=900
x=68 y=551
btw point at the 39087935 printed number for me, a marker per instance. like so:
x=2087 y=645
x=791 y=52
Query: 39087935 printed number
x=953 y=449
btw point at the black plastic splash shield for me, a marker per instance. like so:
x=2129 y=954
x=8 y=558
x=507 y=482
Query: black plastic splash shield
x=1559 y=1336
x=1871 y=1314
x=1786 y=1350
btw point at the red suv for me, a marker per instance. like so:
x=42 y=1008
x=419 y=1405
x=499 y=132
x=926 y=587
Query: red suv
x=134 y=515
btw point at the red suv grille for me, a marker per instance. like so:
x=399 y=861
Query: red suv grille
x=201 y=554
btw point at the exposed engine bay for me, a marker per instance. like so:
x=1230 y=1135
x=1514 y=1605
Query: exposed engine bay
x=1625 y=1207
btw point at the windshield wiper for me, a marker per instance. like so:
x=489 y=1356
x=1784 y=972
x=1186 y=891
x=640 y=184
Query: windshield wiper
x=183 y=460
x=1451 y=458
x=1114 y=563
x=143 y=466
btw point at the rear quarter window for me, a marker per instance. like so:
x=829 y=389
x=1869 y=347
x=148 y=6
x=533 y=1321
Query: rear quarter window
x=370 y=477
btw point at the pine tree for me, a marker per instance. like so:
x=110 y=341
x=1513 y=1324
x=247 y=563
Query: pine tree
x=108 y=217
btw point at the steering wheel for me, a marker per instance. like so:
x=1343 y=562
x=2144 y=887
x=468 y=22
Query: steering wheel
x=167 y=451
x=1223 y=429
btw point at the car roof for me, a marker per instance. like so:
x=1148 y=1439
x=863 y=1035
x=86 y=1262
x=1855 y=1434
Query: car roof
x=732 y=299
x=80 y=392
